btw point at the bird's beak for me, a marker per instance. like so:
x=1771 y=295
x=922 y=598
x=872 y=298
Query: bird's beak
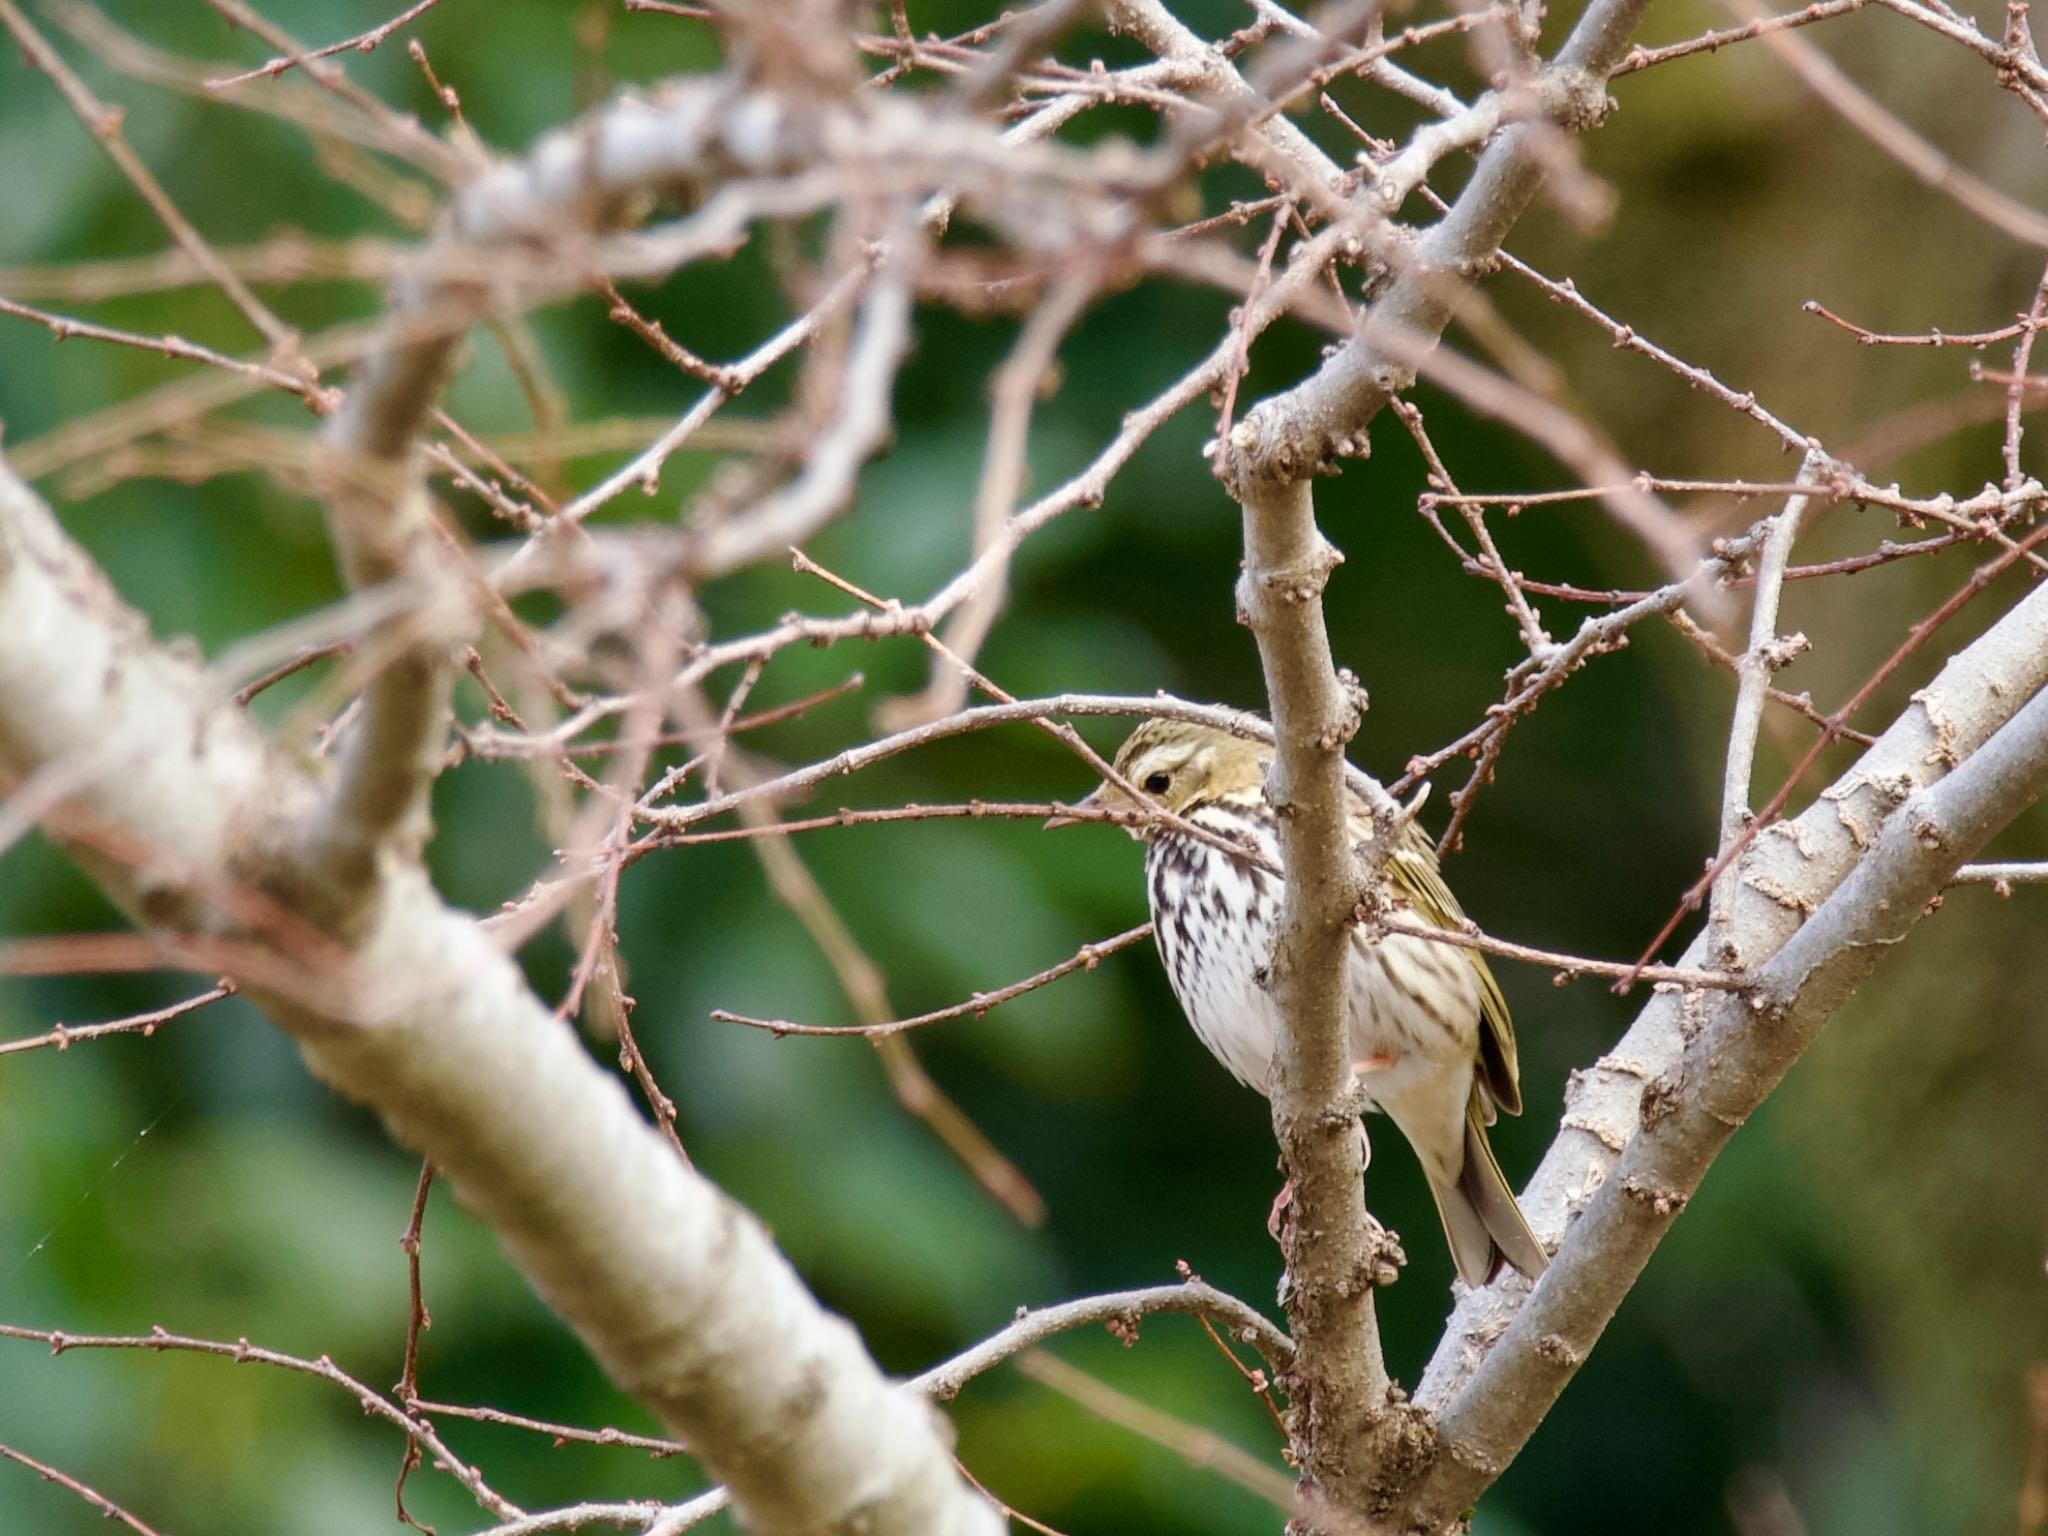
x=1095 y=801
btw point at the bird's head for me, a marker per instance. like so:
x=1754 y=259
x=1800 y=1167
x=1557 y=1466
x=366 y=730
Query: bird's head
x=1178 y=765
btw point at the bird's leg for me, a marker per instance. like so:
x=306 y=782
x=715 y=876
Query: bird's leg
x=1351 y=1105
x=1281 y=1202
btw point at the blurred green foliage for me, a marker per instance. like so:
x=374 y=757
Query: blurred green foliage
x=1837 y=1328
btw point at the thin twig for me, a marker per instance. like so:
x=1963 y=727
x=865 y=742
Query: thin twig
x=64 y=1036
x=1197 y=1447
x=107 y=1507
x=1640 y=57
x=1084 y=959
x=561 y=1434
x=362 y=42
x=1925 y=163
x=417 y=1321
x=242 y=1352
x=104 y=124
x=2016 y=386
x=1915 y=637
x=1753 y=670
x=1568 y=967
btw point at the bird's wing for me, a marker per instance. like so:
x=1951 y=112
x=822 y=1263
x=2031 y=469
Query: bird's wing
x=1413 y=869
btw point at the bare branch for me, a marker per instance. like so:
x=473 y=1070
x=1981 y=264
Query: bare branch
x=1084 y=959
x=64 y=1036
x=242 y=1352
x=430 y=1024
x=1789 y=873
x=1324 y=417
x=1927 y=164
x=107 y=1508
x=1640 y=57
x=1340 y=1382
x=362 y=42
x=1118 y=1309
x=104 y=124
x=1742 y=1048
x=1339 y=1389
x=2002 y=874
x=1753 y=670
x=1198 y=1447
x=826 y=485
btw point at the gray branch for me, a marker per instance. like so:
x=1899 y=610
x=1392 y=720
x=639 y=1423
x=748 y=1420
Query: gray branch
x=1344 y=1423
x=1337 y=1387
x=177 y=804
x=1741 y=1048
x=1817 y=898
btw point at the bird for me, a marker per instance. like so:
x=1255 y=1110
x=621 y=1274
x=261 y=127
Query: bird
x=1428 y=1029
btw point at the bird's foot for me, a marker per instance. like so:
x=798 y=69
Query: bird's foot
x=1281 y=1202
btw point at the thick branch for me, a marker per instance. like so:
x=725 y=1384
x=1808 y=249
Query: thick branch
x=176 y=803
x=1794 y=869
x=1338 y=1384
x=1742 y=1050
x=702 y=138
x=374 y=476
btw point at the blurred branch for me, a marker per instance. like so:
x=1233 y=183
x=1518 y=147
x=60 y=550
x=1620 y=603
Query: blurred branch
x=647 y=1517
x=379 y=517
x=65 y=327
x=677 y=1290
x=1928 y=165
x=2033 y=1500
x=825 y=486
x=644 y=468
x=107 y=1508
x=1016 y=387
x=1197 y=1447
x=861 y=980
x=104 y=124
x=400 y=128
x=1118 y=1311
x=1268 y=141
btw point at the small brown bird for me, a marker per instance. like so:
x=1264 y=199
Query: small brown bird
x=1429 y=1032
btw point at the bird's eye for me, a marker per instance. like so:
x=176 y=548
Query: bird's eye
x=1155 y=784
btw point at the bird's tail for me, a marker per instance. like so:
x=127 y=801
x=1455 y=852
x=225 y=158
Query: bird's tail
x=1482 y=1222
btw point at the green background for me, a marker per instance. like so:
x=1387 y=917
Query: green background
x=1833 y=1339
